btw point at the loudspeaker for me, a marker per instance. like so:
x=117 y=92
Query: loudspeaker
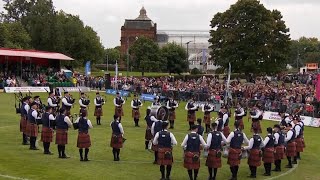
x=107 y=78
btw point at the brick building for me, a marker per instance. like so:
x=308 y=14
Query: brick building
x=133 y=28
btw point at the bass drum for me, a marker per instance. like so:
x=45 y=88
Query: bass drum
x=160 y=112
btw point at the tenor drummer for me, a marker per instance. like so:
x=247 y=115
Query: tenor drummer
x=135 y=105
x=32 y=127
x=118 y=102
x=235 y=139
x=117 y=137
x=256 y=116
x=207 y=109
x=98 y=112
x=47 y=130
x=279 y=147
x=172 y=105
x=214 y=142
x=84 y=103
x=24 y=109
x=191 y=145
x=191 y=108
x=67 y=103
x=268 y=152
x=165 y=140
x=254 y=147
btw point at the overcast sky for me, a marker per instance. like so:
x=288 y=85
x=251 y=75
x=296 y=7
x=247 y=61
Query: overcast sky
x=107 y=16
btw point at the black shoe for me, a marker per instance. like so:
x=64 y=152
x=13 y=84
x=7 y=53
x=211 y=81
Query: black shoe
x=276 y=170
x=170 y=127
x=25 y=143
x=294 y=162
x=34 y=148
x=86 y=159
x=252 y=176
x=114 y=159
x=155 y=162
x=65 y=157
x=288 y=166
x=267 y=174
x=81 y=159
x=48 y=153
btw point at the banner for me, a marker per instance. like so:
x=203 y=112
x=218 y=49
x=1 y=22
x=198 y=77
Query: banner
x=26 y=89
x=318 y=87
x=114 y=92
x=307 y=120
x=116 y=77
x=73 y=89
x=87 y=68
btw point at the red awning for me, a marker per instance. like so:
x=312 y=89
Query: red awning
x=34 y=54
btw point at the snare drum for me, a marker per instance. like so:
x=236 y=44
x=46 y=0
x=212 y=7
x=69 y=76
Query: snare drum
x=225 y=151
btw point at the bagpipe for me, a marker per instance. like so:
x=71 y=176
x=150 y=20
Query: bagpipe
x=18 y=98
x=74 y=124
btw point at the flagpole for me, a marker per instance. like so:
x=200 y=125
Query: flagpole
x=228 y=85
x=116 y=76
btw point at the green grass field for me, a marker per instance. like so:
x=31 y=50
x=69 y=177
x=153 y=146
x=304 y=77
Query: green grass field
x=17 y=160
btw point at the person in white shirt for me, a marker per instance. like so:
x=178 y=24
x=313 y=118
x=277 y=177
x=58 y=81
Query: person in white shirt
x=299 y=138
x=268 y=151
x=191 y=108
x=67 y=103
x=191 y=145
x=207 y=109
x=118 y=102
x=24 y=109
x=53 y=102
x=98 y=112
x=117 y=138
x=291 y=146
x=84 y=103
x=239 y=114
x=165 y=140
x=84 y=141
x=135 y=105
x=63 y=123
x=32 y=126
x=256 y=116
x=172 y=105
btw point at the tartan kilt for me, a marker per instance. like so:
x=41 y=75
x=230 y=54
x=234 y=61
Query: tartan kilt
x=291 y=149
x=234 y=157
x=191 y=117
x=46 y=134
x=135 y=113
x=299 y=145
x=162 y=159
x=98 y=112
x=148 y=136
x=254 y=158
x=116 y=141
x=212 y=160
x=241 y=124
x=256 y=124
x=23 y=124
x=207 y=119
x=189 y=162
x=172 y=115
x=268 y=155
x=83 y=140
x=303 y=143
x=32 y=130
x=279 y=153
x=62 y=136
x=118 y=111
x=226 y=131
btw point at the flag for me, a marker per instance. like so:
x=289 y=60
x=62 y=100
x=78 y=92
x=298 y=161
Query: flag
x=204 y=58
x=228 y=94
x=318 y=87
x=87 y=68
x=116 y=77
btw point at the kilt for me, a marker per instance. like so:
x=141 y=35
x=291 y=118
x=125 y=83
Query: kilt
x=234 y=157
x=207 y=119
x=98 y=112
x=135 y=113
x=212 y=160
x=116 y=141
x=254 y=158
x=291 y=149
x=148 y=136
x=32 y=129
x=241 y=124
x=299 y=145
x=118 y=111
x=83 y=140
x=303 y=143
x=190 y=162
x=62 y=136
x=268 y=155
x=172 y=115
x=23 y=124
x=46 y=134
x=279 y=153
x=163 y=159
x=256 y=124
x=226 y=131
x=191 y=117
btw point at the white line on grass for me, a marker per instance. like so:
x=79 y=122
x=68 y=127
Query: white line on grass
x=2 y=127
x=284 y=174
x=11 y=177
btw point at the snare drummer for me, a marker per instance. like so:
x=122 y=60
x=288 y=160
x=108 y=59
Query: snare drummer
x=235 y=139
x=214 y=144
x=135 y=105
x=191 y=145
x=254 y=148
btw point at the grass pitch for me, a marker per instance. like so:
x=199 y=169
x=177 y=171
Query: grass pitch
x=17 y=160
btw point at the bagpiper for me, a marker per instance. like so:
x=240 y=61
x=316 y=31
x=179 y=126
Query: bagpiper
x=191 y=145
x=84 y=103
x=256 y=116
x=291 y=145
x=117 y=137
x=172 y=105
x=214 y=144
x=98 y=112
x=67 y=102
x=223 y=121
x=239 y=114
x=279 y=147
x=155 y=128
x=191 y=108
x=63 y=123
x=24 y=109
x=32 y=126
x=53 y=102
x=298 y=139
x=207 y=109
x=83 y=141
x=268 y=152
x=165 y=140
x=47 y=130
x=118 y=102
x=149 y=121
x=135 y=105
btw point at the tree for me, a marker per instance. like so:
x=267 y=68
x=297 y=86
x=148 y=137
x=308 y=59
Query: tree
x=176 y=58
x=112 y=55
x=145 y=55
x=13 y=35
x=250 y=37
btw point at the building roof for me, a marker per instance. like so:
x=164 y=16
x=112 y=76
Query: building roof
x=141 y=22
x=34 y=54
x=143 y=15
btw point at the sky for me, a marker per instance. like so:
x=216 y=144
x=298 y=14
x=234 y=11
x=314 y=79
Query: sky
x=107 y=16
